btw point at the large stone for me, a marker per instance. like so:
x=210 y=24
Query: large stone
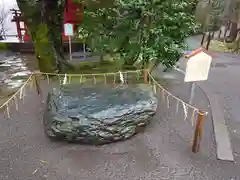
x=96 y=114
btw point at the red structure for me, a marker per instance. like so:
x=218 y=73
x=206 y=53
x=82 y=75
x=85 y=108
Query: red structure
x=73 y=13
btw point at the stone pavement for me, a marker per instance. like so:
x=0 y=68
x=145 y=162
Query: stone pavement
x=162 y=151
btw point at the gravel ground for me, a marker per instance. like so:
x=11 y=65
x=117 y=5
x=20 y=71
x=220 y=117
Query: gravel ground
x=162 y=151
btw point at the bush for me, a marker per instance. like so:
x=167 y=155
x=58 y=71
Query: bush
x=3 y=46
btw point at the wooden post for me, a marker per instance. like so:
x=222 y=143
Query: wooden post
x=203 y=38
x=219 y=34
x=198 y=132
x=227 y=27
x=208 y=41
x=37 y=85
x=213 y=34
x=145 y=75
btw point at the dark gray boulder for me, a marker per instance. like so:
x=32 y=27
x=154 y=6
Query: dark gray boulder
x=96 y=114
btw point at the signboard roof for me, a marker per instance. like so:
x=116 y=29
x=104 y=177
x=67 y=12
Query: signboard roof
x=189 y=54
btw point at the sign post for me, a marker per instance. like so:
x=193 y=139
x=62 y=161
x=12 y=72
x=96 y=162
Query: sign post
x=192 y=91
x=68 y=31
x=197 y=69
x=70 y=47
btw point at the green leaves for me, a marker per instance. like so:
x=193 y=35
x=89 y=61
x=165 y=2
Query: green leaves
x=141 y=31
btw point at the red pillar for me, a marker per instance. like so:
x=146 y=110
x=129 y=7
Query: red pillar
x=26 y=36
x=19 y=33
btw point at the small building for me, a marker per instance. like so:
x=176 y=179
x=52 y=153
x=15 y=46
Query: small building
x=73 y=13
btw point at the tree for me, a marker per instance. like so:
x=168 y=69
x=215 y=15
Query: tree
x=44 y=19
x=232 y=14
x=146 y=32
x=4 y=14
x=209 y=14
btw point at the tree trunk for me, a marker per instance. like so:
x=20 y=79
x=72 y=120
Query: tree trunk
x=44 y=19
x=233 y=32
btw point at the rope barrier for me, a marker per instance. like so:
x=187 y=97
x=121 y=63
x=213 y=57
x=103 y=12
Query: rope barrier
x=20 y=92
x=165 y=94
x=170 y=94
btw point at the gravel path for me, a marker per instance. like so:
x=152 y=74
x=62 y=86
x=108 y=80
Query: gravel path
x=162 y=151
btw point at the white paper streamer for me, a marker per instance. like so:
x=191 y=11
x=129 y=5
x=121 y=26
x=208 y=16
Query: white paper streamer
x=167 y=101
x=65 y=79
x=177 y=106
x=121 y=77
x=16 y=102
x=21 y=93
x=69 y=79
x=7 y=109
x=125 y=77
x=138 y=75
x=31 y=83
x=193 y=116
x=94 y=80
x=48 y=79
x=80 y=80
x=185 y=110
x=154 y=88
x=59 y=78
x=105 y=79
x=163 y=96
x=114 y=79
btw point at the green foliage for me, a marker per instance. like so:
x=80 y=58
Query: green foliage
x=216 y=14
x=3 y=46
x=143 y=32
x=209 y=14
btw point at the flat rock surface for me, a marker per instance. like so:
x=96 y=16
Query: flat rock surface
x=97 y=114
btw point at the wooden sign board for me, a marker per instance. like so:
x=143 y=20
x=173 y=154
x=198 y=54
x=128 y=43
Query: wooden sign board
x=68 y=29
x=198 y=66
